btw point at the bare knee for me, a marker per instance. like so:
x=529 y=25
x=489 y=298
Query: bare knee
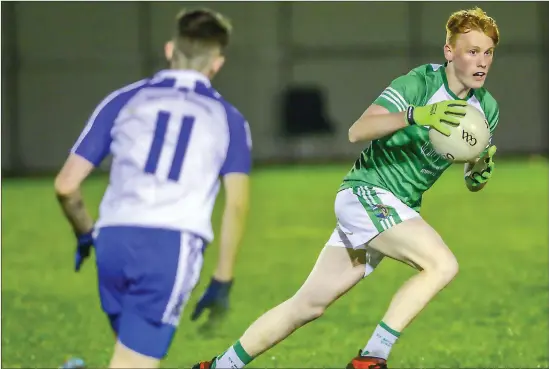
x=306 y=309
x=444 y=268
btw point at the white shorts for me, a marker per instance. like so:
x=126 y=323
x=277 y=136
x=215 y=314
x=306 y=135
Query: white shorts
x=363 y=213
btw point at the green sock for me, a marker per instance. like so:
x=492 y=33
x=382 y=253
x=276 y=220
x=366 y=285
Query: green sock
x=234 y=358
x=381 y=342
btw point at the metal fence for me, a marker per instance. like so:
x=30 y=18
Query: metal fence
x=59 y=59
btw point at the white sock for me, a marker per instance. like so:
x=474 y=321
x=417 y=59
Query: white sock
x=381 y=342
x=234 y=358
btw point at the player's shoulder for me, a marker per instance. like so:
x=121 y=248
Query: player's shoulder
x=114 y=101
x=406 y=89
x=237 y=121
x=237 y=124
x=233 y=114
x=420 y=76
x=489 y=105
x=486 y=99
x=424 y=71
x=129 y=89
x=231 y=108
x=414 y=84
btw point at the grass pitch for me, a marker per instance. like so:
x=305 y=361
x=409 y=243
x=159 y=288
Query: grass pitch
x=495 y=314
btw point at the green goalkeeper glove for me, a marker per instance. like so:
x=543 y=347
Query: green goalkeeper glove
x=437 y=115
x=482 y=170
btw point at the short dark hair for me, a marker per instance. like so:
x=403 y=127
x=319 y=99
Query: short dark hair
x=200 y=29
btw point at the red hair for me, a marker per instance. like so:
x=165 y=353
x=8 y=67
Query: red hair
x=475 y=19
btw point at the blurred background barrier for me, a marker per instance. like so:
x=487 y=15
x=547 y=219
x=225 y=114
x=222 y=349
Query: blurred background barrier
x=300 y=72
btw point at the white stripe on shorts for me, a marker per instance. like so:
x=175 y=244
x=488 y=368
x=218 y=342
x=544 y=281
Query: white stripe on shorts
x=189 y=266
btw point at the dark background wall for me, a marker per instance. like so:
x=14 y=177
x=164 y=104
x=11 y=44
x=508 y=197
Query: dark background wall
x=60 y=59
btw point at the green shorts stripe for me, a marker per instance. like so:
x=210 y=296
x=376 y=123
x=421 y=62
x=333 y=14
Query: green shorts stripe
x=369 y=205
x=393 y=217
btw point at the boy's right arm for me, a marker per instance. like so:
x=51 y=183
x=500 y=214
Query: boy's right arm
x=376 y=122
x=396 y=108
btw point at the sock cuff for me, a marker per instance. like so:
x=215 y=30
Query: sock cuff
x=241 y=353
x=389 y=329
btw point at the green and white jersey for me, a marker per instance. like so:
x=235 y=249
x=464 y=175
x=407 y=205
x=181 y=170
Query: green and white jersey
x=405 y=163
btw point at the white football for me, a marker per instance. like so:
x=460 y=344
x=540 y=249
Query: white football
x=466 y=141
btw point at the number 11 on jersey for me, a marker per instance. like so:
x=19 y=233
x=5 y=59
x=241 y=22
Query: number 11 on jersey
x=157 y=144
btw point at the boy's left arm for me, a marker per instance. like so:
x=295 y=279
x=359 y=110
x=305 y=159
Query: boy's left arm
x=478 y=172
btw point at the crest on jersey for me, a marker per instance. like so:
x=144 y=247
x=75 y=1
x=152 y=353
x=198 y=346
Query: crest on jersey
x=382 y=211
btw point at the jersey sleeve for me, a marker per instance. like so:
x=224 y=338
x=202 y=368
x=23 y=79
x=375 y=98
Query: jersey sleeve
x=493 y=120
x=491 y=111
x=403 y=91
x=95 y=140
x=238 y=158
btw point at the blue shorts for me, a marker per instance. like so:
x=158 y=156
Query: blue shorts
x=145 y=277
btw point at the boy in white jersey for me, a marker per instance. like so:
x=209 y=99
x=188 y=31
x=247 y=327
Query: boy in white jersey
x=171 y=137
x=378 y=204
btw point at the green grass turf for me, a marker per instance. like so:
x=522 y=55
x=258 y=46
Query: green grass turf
x=495 y=314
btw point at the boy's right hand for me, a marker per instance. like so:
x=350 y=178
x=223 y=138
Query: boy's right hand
x=437 y=115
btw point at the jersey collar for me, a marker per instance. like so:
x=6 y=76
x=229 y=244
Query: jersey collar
x=450 y=92
x=183 y=77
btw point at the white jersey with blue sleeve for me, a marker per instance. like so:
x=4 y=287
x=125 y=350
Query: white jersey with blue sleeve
x=171 y=137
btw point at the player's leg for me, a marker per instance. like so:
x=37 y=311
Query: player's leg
x=113 y=256
x=124 y=357
x=335 y=272
x=162 y=270
x=338 y=268
x=417 y=243
x=111 y=259
x=411 y=240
